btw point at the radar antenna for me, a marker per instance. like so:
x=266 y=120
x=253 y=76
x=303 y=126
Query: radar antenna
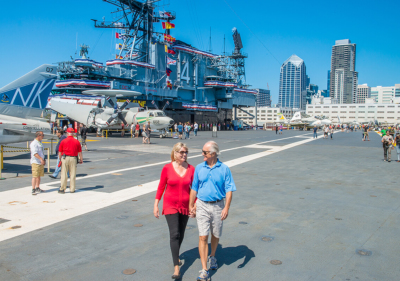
x=237 y=40
x=84 y=51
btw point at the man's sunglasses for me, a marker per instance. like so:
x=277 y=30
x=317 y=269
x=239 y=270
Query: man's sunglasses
x=205 y=152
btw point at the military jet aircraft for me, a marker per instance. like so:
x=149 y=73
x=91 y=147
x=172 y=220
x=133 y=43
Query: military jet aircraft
x=303 y=121
x=101 y=110
x=22 y=103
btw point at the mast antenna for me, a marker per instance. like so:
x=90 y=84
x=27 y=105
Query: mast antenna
x=210 y=46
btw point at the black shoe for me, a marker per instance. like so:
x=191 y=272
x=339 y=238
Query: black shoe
x=38 y=190
x=33 y=191
x=61 y=191
x=53 y=177
x=176 y=276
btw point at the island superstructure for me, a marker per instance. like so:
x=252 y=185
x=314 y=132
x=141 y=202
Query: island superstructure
x=161 y=71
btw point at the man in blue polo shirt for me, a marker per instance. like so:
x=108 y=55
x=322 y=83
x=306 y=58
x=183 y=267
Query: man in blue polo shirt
x=212 y=182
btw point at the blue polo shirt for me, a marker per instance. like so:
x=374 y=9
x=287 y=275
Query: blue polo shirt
x=212 y=184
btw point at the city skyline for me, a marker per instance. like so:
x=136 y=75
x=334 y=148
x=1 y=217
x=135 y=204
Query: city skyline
x=38 y=35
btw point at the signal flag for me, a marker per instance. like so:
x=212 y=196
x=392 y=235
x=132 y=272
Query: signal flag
x=168 y=25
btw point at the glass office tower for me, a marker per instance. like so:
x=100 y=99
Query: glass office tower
x=293 y=83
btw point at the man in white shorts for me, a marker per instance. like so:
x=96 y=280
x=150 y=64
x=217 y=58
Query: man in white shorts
x=212 y=183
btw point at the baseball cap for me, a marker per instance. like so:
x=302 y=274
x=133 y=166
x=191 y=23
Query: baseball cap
x=70 y=130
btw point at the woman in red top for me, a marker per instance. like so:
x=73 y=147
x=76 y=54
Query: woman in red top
x=176 y=180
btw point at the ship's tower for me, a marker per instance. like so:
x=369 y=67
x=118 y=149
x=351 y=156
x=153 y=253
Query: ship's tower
x=136 y=25
x=237 y=59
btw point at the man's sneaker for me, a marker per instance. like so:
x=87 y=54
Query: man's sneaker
x=53 y=177
x=204 y=275
x=33 y=191
x=61 y=191
x=38 y=190
x=213 y=263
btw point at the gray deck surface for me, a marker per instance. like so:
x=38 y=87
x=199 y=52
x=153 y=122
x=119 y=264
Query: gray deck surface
x=320 y=202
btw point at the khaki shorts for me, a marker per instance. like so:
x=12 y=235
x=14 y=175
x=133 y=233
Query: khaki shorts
x=37 y=170
x=208 y=217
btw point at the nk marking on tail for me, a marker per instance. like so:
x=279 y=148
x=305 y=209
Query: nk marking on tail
x=31 y=90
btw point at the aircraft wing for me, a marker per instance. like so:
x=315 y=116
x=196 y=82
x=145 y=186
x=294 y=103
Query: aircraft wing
x=111 y=93
x=77 y=112
x=5 y=122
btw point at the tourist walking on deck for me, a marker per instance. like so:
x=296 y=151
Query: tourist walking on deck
x=83 y=137
x=196 y=128
x=383 y=131
x=176 y=179
x=326 y=132
x=69 y=151
x=397 y=143
x=212 y=183
x=387 y=142
x=137 y=130
x=331 y=131
x=188 y=128
x=37 y=162
x=315 y=131
x=180 y=130
x=144 y=133
x=280 y=129
x=276 y=129
x=148 y=132
x=176 y=128
x=366 y=134
x=61 y=137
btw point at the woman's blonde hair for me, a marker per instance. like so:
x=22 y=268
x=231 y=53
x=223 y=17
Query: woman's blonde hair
x=176 y=148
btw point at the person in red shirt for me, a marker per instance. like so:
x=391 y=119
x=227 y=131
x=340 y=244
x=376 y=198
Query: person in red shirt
x=137 y=129
x=176 y=180
x=68 y=152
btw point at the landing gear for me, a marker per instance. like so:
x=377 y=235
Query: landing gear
x=163 y=134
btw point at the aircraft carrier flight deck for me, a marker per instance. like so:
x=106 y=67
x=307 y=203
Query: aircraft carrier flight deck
x=304 y=209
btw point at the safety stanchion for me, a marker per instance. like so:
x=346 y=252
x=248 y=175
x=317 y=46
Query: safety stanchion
x=1 y=158
x=48 y=160
x=1 y=165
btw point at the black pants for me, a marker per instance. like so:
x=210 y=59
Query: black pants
x=177 y=225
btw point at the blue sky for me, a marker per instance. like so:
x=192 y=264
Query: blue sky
x=37 y=32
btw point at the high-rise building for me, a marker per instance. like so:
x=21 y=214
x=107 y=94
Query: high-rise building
x=344 y=78
x=263 y=97
x=363 y=92
x=293 y=83
x=328 y=84
x=385 y=94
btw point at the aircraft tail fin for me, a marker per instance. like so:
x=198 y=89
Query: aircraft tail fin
x=281 y=118
x=31 y=90
x=296 y=116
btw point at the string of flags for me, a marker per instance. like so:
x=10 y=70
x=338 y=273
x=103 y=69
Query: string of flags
x=118 y=46
x=168 y=71
x=169 y=38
